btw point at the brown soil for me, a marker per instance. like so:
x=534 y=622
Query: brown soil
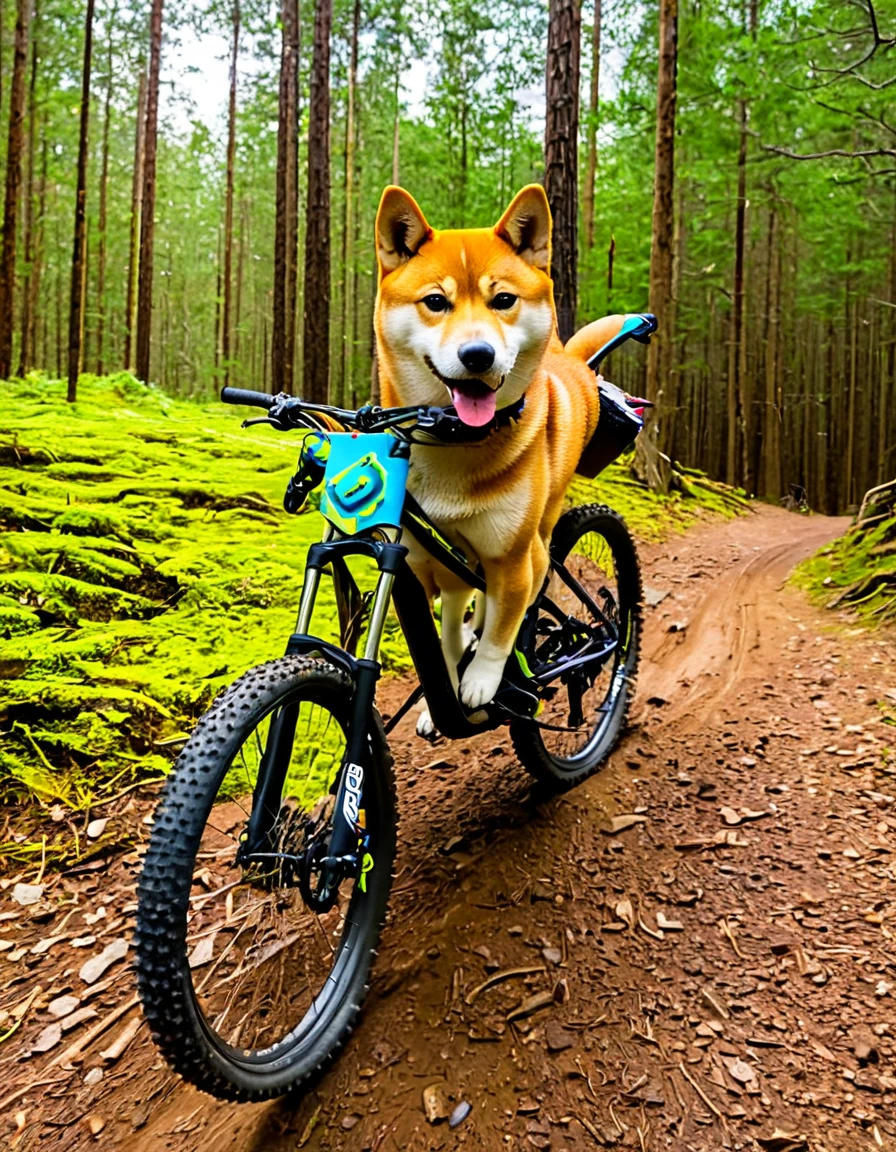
x=768 y=1002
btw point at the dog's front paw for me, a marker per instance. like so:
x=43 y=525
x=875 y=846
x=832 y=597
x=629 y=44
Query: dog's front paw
x=481 y=681
x=425 y=726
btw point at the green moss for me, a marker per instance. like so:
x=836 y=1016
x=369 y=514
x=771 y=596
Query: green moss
x=147 y=562
x=857 y=573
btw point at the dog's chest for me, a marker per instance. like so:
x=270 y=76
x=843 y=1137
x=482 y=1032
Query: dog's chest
x=477 y=512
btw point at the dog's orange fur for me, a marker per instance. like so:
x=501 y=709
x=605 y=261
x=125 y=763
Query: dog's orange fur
x=499 y=499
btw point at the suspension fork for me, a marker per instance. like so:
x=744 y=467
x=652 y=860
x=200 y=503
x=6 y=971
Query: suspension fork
x=342 y=858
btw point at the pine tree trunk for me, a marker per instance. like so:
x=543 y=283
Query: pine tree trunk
x=561 y=141
x=737 y=422
x=103 y=217
x=148 y=199
x=396 y=126
x=593 y=104
x=14 y=148
x=317 y=229
x=79 y=248
x=282 y=333
x=348 y=223
x=39 y=352
x=226 y=321
x=659 y=352
x=771 y=441
x=26 y=350
x=130 y=319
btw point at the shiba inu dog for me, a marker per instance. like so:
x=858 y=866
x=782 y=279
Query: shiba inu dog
x=467 y=317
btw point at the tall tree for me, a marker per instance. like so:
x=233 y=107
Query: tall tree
x=561 y=140
x=103 y=221
x=591 y=133
x=286 y=220
x=316 y=351
x=148 y=199
x=227 y=318
x=26 y=347
x=79 y=247
x=14 y=148
x=659 y=353
x=348 y=217
x=130 y=318
x=738 y=402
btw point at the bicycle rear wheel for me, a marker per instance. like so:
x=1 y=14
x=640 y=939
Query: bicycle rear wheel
x=601 y=604
x=249 y=980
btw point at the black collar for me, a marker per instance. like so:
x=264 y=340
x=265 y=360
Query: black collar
x=444 y=424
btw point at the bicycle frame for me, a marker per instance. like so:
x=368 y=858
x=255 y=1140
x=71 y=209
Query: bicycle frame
x=368 y=520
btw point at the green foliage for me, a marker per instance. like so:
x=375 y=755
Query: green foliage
x=857 y=572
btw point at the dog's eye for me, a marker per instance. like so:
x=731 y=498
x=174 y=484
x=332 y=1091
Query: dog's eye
x=436 y=302
x=503 y=301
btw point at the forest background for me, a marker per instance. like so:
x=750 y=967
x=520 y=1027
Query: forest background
x=190 y=194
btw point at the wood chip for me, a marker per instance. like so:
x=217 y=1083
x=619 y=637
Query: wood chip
x=120 y=1044
x=529 y=1005
x=714 y=1004
x=622 y=823
x=94 y=968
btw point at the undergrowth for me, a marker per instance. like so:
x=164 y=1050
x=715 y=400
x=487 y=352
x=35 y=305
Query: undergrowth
x=857 y=573
x=146 y=562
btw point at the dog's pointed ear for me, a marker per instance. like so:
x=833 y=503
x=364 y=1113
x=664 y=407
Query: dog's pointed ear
x=526 y=226
x=401 y=229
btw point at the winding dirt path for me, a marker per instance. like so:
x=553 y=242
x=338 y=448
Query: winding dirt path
x=720 y=970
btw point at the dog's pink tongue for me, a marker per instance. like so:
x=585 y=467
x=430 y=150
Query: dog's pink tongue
x=476 y=408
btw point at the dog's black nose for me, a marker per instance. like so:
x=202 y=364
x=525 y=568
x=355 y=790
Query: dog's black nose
x=477 y=356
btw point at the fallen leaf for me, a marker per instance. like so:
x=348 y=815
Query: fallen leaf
x=668 y=925
x=96 y=828
x=78 y=1017
x=63 y=1006
x=203 y=952
x=94 y=968
x=45 y=945
x=741 y=1071
x=96 y=1124
x=49 y=1038
x=26 y=894
x=730 y=817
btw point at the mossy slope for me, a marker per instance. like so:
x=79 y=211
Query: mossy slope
x=146 y=561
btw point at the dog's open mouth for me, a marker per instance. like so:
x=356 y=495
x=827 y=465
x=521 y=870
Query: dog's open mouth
x=473 y=400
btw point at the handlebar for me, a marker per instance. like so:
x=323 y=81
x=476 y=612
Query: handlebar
x=289 y=412
x=247 y=397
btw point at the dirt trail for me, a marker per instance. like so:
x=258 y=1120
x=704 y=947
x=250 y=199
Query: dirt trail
x=720 y=970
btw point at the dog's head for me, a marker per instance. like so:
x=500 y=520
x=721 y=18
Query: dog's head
x=466 y=314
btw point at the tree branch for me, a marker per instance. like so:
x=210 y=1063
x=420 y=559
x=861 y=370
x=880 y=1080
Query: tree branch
x=861 y=155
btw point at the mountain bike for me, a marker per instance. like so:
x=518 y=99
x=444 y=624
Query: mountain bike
x=266 y=880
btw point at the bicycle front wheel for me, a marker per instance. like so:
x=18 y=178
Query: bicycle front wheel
x=587 y=706
x=249 y=980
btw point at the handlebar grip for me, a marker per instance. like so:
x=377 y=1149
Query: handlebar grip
x=247 y=397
